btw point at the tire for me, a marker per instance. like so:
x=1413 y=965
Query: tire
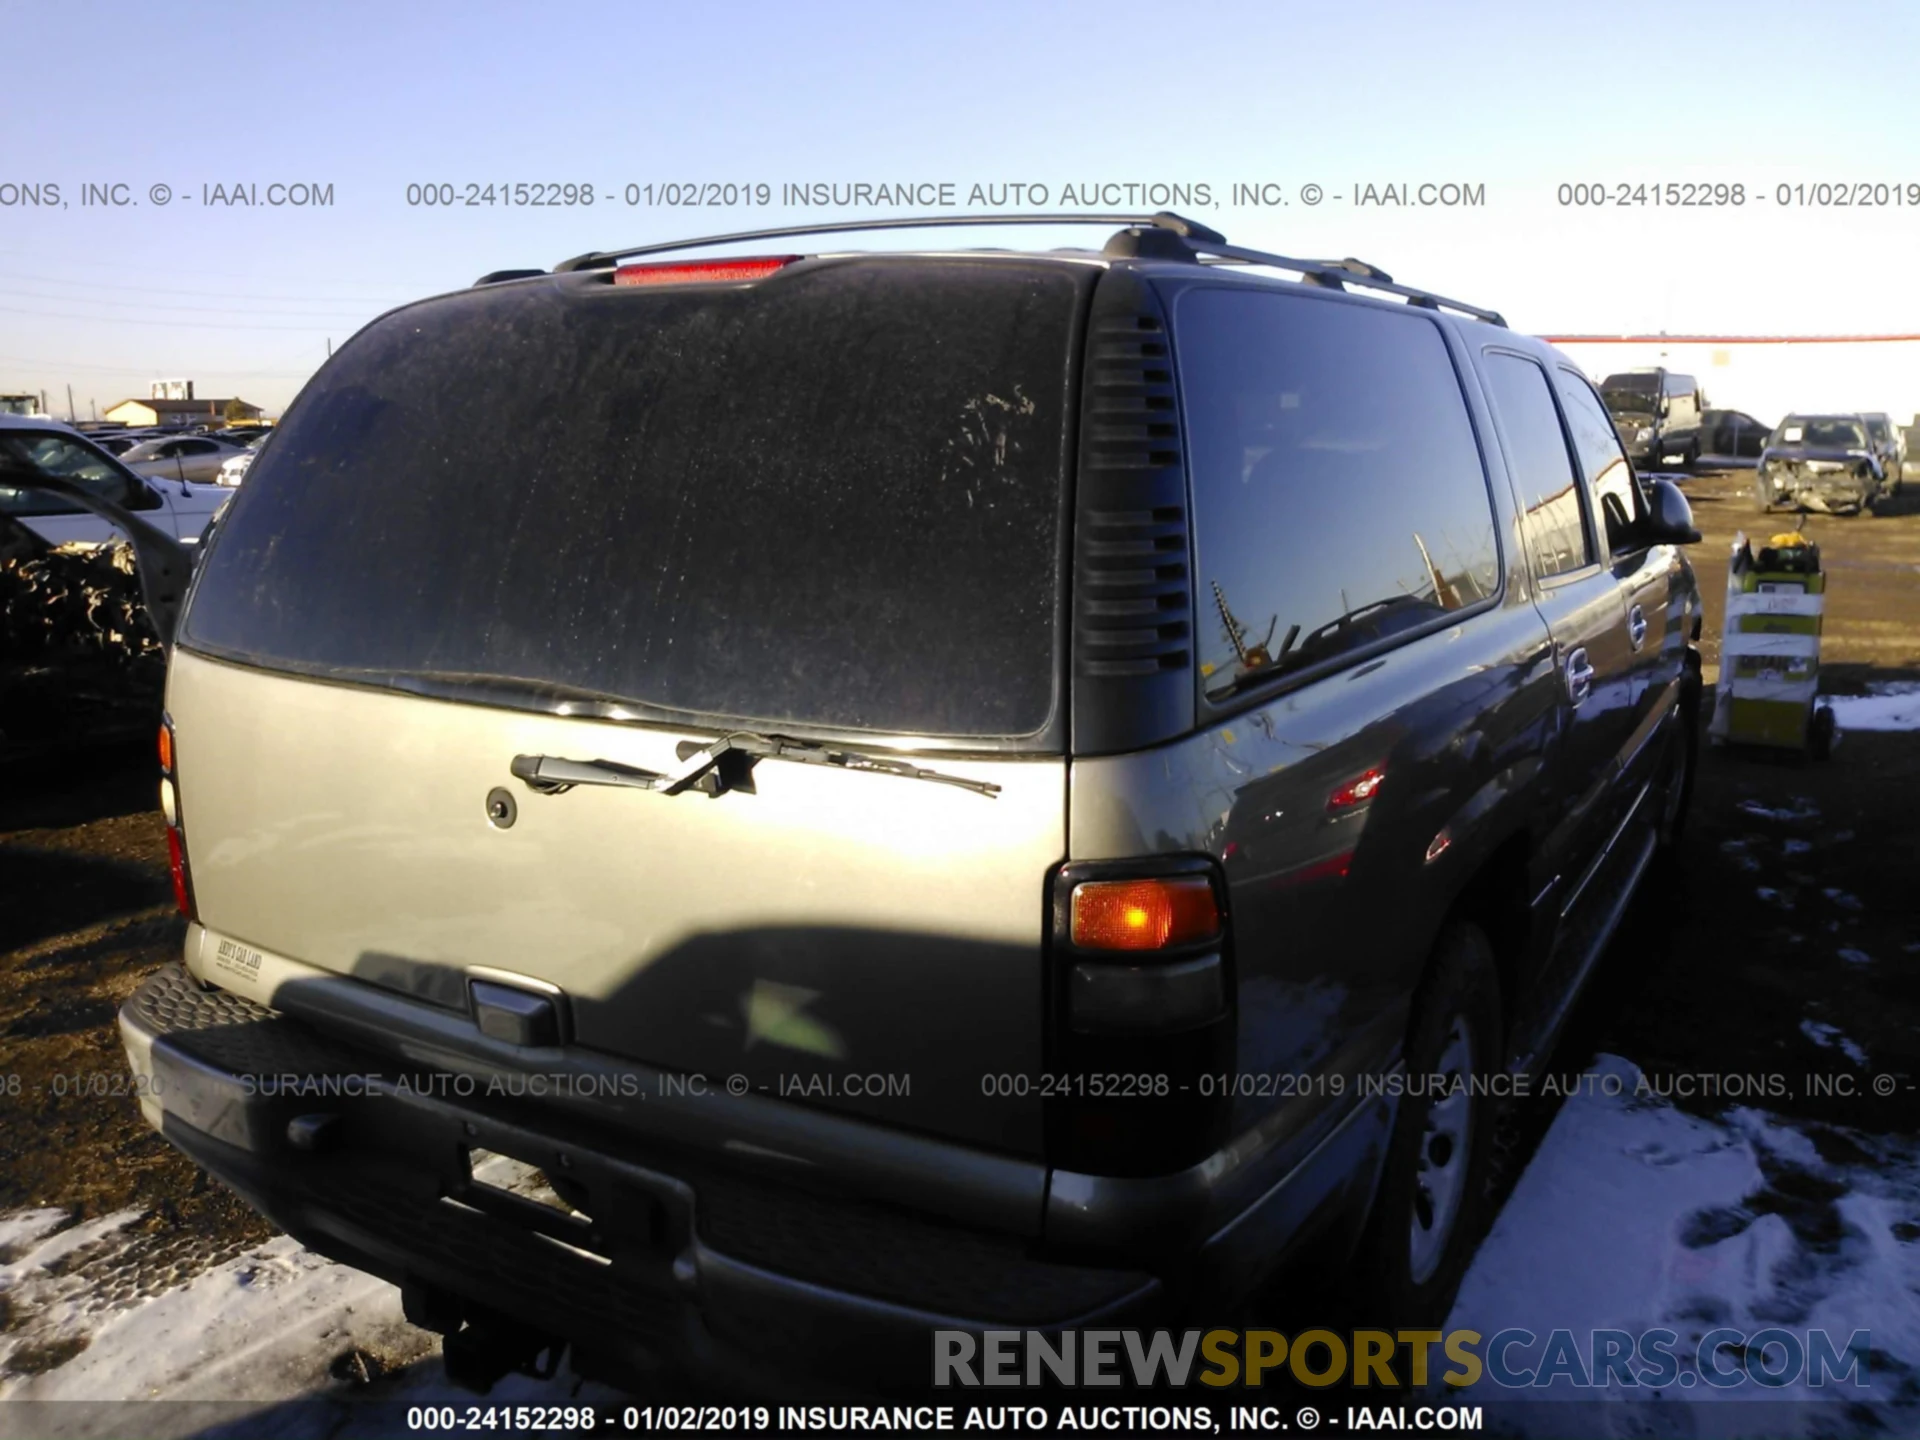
x=1422 y=1232
x=1678 y=769
x=1820 y=734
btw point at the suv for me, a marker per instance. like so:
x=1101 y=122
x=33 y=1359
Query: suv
x=1657 y=413
x=926 y=789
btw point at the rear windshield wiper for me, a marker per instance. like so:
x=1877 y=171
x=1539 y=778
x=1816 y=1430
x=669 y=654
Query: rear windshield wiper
x=724 y=765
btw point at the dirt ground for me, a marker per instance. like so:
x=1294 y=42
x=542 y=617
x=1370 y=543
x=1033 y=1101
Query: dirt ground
x=1785 y=931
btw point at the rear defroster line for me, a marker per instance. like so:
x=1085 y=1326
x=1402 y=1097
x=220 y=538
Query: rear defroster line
x=726 y=764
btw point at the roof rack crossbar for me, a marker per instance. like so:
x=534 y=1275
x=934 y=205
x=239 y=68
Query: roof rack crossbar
x=1162 y=220
x=1338 y=274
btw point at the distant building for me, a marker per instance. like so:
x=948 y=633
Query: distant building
x=179 y=412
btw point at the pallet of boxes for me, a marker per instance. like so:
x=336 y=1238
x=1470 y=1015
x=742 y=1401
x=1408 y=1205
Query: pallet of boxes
x=1770 y=649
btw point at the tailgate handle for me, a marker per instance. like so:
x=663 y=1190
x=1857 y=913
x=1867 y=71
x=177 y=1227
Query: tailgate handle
x=711 y=771
x=550 y=775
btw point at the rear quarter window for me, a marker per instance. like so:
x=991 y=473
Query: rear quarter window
x=1339 y=492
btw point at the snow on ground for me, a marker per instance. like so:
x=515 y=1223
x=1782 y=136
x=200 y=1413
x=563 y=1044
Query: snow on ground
x=1891 y=705
x=1634 y=1215
x=277 y=1323
x=1828 y=1036
x=1801 y=808
x=1631 y=1215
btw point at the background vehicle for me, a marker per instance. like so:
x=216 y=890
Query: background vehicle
x=1649 y=405
x=79 y=662
x=1889 y=446
x=1369 y=702
x=32 y=448
x=1824 y=462
x=234 y=468
x=1723 y=439
x=181 y=457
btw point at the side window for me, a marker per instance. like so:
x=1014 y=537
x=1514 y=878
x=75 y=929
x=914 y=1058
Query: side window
x=1542 y=470
x=1609 y=476
x=1339 y=492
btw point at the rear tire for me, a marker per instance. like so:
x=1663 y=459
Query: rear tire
x=1677 y=770
x=1820 y=734
x=1428 y=1214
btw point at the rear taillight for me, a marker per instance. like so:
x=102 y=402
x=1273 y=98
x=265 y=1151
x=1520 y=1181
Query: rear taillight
x=1141 y=954
x=176 y=830
x=1142 y=987
x=699 y=272
x=1145 y=914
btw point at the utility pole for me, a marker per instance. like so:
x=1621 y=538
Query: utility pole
x=93 y=406
x=70 y=415
x=329 y=347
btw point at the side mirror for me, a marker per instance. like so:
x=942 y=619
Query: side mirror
x=1670 y=517
x=142 y=496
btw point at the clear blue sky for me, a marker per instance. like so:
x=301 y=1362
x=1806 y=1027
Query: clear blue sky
x=370 y=97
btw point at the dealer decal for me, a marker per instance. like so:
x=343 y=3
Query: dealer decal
x=237 y=959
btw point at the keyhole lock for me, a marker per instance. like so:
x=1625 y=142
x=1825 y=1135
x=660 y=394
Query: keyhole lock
x=501 y=809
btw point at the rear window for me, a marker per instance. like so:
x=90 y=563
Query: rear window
x=832 y=499
x=1339 y=495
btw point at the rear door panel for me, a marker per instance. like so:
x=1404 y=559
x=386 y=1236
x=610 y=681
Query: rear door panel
x=831 y=928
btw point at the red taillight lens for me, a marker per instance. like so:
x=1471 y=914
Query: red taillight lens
x=177 y=862
x=695 y=272
x=176 y=836
x=1144 y=914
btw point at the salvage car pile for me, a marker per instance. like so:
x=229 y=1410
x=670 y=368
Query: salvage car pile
x=79 y=657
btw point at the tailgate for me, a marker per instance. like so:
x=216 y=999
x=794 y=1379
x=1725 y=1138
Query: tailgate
x=862 y=942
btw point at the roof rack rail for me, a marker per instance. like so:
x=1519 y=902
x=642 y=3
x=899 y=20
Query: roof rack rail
x=495 y=277
x=1338 y=274
x=1166 y=220
x=1161 y=235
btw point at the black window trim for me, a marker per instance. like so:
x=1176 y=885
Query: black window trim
x=1208 y=712
x=1594 y=563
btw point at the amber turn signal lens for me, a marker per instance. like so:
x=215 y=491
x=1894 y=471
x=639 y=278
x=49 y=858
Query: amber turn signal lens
x=166 y=749
x=1144 y=914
